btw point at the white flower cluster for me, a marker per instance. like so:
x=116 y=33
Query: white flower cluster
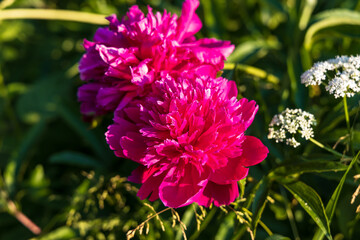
x=342 y=72
x=290 y=122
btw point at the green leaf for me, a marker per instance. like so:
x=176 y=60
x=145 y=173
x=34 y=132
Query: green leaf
x=17 y=159
x=187 y=218
x=60 y=233
x=277 y=237
x=259 y=202
x=226 y=228
x=74 y=158
x=37 y=177
x=40 y=100
x=331 y=206
x=331 y=20
x=304 y=167
x=251 y=47
x=311 y=202
x=99 y=147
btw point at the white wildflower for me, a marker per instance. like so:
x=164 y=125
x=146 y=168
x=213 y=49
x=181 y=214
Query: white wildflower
x=342 y=73
x=292 y=142
x=287 y=124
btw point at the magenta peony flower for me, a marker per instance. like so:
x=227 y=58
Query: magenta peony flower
x=188 y=137
x=125 y=58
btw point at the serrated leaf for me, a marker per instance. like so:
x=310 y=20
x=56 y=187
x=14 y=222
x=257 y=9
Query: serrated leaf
x=75 y=159
x=311 y=202
x=331 y=206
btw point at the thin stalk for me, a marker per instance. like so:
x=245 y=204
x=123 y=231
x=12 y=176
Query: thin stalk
x=204 y=224
x=53 y=14
x=14 y=211
x=21 y=217
x=290 y=215
x=346 y=113
x=262 y=224
x=347 y=119
x=320 y=145
x=9 y=109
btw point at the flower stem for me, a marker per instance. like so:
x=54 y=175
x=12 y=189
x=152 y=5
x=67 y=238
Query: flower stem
x=320 y=145
x=346 y=113
x=347 y=119
x=23 y=218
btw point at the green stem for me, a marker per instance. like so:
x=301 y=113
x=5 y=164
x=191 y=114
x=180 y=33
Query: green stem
x=53 y=14
x=347 y=119
x=266 y=228
x=204 y=224
x=320 y=145
x=346 y=113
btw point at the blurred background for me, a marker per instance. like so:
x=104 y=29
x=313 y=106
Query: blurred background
x=58 y=171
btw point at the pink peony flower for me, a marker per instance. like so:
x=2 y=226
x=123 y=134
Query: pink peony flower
x=125 y=58
x=188 y=137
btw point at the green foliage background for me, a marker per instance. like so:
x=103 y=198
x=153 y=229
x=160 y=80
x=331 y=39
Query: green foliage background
x=59 y=172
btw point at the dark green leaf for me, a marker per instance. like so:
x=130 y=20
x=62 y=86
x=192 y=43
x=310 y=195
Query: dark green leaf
x=260 y=202
x=311 y=202
x=277 y=237
x=251 y=47
x=40 y=101
x=226 y=228
x=60 y=233
x=331 y=206
x=331 y=20
x=26 y=145
x=79 y=126
x=304 y=167
x=74 y=158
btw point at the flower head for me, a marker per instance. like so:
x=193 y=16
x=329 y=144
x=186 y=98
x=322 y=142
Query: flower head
x=342 y=73
x=125 y=58
x=188 y=137
x=289 y=123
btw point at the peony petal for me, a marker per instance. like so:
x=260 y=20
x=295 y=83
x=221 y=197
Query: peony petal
x=221 y=194
x=247 y=109
x=142 y=173
x=91 y=66
x=87 y=96
x=150 y=186
x=133 y=146
x=108 y=98
x=188 y=23
x=254 y=151
x=179 y=191
x=116 y=131
x=212 y=44
x=233 y=171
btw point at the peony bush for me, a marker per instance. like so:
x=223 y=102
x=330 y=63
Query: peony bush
x=179 y=119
